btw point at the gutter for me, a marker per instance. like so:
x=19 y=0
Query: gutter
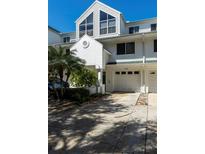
x=126 y=35
x=143 y=49
x=144 y=61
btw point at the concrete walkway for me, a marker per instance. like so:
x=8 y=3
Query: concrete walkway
x=151 y=132
x=112 y=125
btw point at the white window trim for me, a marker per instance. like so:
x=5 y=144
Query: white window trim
x=107 y=24
x=86 y=24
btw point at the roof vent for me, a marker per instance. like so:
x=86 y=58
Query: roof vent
x=86 y=44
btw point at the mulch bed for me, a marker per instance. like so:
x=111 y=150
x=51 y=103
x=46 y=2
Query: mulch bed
x=55 y=106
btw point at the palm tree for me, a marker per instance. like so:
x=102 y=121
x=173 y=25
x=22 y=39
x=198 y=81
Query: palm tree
x=59 y=62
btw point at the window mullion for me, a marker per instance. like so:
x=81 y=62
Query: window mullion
x=107 y=24
x=125 y=48
x=86 y=26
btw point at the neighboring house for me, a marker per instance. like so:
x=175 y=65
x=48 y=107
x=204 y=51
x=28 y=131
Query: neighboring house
x=123 y=53
x=53 y=36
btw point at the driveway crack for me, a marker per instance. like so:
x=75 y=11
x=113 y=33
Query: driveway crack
x=124 y=128
x=145 y=144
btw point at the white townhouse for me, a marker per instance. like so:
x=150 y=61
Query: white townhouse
x=124 y=53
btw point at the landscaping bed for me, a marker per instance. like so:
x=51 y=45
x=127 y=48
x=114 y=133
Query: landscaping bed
x=73 y=97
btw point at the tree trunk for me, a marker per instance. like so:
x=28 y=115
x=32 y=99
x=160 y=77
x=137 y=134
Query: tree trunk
x=68 y=75
x=61 y=79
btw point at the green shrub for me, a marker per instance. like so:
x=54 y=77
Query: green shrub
x=79 y=95
x=84 y=78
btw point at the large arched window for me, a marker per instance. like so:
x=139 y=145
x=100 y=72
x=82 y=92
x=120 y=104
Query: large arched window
x=107 y=23
x=86 y=27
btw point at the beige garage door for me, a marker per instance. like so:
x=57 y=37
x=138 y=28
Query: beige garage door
x=127 y=81
x=152 y=81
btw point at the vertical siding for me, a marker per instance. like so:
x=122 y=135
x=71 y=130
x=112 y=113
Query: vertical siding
x=53 y=37
x=137 y=56
x=150 y=55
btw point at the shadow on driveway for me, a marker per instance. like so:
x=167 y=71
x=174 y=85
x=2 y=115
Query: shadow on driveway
x=93 y=128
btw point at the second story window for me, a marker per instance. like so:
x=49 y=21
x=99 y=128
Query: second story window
x=107 y=23
x=155 y=45
x=125 y=48
x=86 y=27
x=133 y=30
x=66 y=39
x=153 y=27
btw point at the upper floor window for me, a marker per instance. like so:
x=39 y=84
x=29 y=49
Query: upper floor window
x=133 y=30
x=107 y=23
x=66 y=39
x=125 y=48
x=86 y=27
x=155 y=45
x=153 y=27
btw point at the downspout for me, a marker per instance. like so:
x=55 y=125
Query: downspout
x=143 y=63
x=143 y=49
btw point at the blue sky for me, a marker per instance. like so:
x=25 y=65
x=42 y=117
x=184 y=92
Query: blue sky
x=63 y=13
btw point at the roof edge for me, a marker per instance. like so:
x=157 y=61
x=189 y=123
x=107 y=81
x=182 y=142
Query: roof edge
x=96 y=1
x=53 y=29
x=141 y=20
x=85 y=35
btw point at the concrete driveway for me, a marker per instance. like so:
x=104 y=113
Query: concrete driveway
x=111 y=125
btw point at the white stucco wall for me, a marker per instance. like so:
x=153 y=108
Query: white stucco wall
x=150 y=55
x=109 y=80
x=53 y=37
x=106 y=58
x=137 y=56
x=144 y=26
x=123 y=29
x=93 y=54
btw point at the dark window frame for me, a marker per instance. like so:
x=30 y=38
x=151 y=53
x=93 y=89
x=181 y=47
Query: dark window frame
x=84 y=26
x=137 y=28
x=123 y=73
x=107 y=29
x=66 y=39
x=155 y=45
x=152 y=73
x=137 y=72
x=104 y=78
x=153 y=27
x=134 y=29
x=126 y=48
x=125 y=52
x=131 y=30
x=120 y=51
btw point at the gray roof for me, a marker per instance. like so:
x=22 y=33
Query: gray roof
x=142 y=20
x=57 y=31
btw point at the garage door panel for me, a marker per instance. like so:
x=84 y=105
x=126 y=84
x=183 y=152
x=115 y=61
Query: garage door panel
x=127 y=82
x=152 y=81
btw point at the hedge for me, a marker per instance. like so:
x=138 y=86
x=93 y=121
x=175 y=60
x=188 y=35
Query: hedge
x=77 y=94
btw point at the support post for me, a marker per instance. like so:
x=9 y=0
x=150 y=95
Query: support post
x=101 y=87
x=143 y=87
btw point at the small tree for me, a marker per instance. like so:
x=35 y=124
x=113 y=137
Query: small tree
x=60 y=62
x=84 y=78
